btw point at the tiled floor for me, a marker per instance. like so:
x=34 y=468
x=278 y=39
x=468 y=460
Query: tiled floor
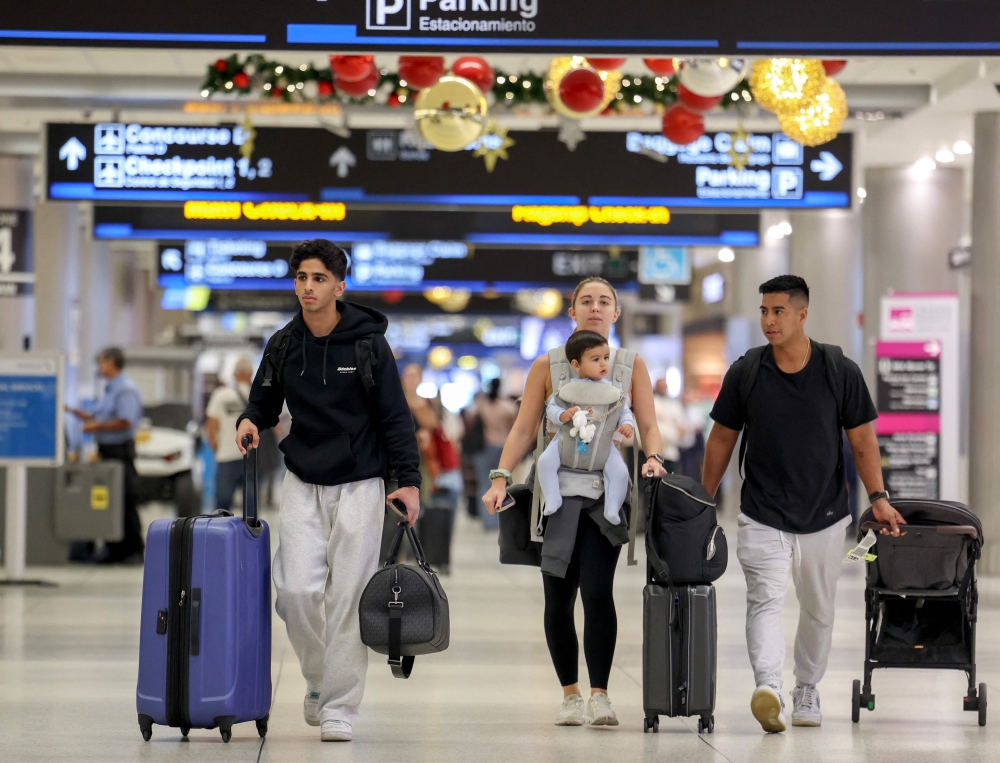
x=68 y=671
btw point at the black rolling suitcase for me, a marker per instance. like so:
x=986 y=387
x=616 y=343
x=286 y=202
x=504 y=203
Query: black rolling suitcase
x=434 y=529
x=679 y=654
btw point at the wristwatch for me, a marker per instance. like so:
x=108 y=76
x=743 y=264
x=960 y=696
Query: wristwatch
x=872 y=497
x=657 y=456
x=500 y=473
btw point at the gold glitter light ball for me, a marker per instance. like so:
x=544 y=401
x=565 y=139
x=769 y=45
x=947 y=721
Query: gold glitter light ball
x=785 y=85
x=820 y=121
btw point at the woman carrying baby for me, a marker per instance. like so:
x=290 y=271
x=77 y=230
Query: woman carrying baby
x=582 y=544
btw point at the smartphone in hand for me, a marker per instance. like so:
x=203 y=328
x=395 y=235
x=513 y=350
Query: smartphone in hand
x=507 y=503
x=399 y=507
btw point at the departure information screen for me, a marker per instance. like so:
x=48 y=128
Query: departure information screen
x=161 y=163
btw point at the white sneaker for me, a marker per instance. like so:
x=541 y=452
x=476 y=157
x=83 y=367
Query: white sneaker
x=805 y=706
x=599 y=711
x=310 y=708
x=336 y=731
x=768 y=708
x=571 y=713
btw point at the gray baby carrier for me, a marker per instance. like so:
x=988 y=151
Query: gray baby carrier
x=582 y=473
x=607 y=403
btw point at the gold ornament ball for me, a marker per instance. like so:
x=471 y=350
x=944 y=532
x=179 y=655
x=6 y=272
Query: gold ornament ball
x=785 y=85
x=563 y=65
x=820 y=121
x=451 y=114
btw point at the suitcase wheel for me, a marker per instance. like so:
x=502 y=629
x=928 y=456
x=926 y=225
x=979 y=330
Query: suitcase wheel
x=651 y=724
x=706 y=725
x=185 y=730
x=227 y=734
x=146 y=727
x=225 y=724
x=262 y=725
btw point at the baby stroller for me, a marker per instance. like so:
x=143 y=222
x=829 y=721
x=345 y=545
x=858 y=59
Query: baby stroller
x=921 y=598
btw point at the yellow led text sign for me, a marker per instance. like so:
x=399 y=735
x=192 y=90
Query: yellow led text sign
x=266 y=210
x=550 y=215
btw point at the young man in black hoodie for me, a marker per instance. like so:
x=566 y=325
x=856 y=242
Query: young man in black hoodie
x=333 y=499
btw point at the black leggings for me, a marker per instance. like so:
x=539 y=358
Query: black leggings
x=592 y=571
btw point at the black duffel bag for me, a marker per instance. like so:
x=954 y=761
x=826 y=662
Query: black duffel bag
x=514 y=538
x=403 y=609
x=684 y=542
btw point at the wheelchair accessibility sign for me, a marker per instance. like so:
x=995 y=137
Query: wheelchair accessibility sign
x=664 y=265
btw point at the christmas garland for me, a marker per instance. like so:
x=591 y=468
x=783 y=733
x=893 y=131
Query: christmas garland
x=258 y=77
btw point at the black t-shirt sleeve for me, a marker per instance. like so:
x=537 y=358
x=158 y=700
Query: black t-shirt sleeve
x=858 y=406
x=728 y=409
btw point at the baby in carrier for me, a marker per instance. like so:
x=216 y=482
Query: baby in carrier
x=589 y=413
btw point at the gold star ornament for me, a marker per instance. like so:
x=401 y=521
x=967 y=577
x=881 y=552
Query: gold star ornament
x=739 y=159
x=493 y=145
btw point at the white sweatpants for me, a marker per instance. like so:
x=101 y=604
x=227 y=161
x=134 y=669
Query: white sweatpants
x=815 y=560
x=329 y=543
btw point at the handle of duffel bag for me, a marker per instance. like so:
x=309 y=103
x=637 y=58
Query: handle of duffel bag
x=404 y=529
x=249 y=507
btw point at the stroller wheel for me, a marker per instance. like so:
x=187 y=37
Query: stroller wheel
x=856 y=701
x=982 y=704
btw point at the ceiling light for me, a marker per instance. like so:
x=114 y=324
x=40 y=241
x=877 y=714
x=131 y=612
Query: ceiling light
x=726 y=254
x=944 y=156
x=925 y=164
x=862 y=193
x=785 y=228
x=962 y=147
x=204 y=94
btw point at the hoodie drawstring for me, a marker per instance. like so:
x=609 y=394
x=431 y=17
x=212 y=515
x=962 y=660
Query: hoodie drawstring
x=327 y=344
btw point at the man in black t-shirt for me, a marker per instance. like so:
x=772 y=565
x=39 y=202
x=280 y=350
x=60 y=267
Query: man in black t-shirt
x=791 y=398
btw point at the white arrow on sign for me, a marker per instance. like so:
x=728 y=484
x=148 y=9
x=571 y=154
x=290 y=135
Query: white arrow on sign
x=933 y=348
x=343 y=160
x=827 y=166
x=73 y=152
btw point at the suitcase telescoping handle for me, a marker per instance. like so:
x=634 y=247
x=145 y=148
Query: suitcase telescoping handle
x=249 y=481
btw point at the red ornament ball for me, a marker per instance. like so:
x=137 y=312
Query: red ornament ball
x=697 y=102
x=324 y=88
x=221 y=65
x=352 y=68
x=605 y=64
x=421 y=72
x=241 y=80
x=834 y=67
x=581 y=90
x=393 y=297
x=358 y=88
x=661 y=66
x=394 y=102
x=681 y=125
x=476 y=70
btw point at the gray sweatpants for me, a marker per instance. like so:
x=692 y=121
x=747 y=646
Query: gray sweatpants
x=329 y=542
x=815 y=559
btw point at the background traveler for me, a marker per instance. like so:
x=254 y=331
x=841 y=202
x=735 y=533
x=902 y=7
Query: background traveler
x=794 y=504
x=497 y=414
x=224 y=408
x=113 y=425
x=333 y=498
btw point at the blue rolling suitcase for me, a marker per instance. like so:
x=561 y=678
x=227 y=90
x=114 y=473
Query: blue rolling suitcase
x=205 y=644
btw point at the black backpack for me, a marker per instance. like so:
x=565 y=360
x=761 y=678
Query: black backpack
x=748 y=375
x=276 y=352
x=684 y=542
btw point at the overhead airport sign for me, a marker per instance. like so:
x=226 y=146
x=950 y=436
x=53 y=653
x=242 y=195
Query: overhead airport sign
x=379 y=265
x=135 y=162
x=636 y=27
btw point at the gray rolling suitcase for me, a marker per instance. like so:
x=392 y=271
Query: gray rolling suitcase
x=679 y=646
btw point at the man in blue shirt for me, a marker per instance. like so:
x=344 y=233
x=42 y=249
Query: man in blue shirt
x=113 y=425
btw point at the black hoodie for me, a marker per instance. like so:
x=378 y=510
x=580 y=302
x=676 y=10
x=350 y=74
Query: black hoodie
x=340 y=432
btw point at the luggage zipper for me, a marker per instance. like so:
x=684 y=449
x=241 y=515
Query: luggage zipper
x=685 y=492
x=179 y=622
x=710 y=550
